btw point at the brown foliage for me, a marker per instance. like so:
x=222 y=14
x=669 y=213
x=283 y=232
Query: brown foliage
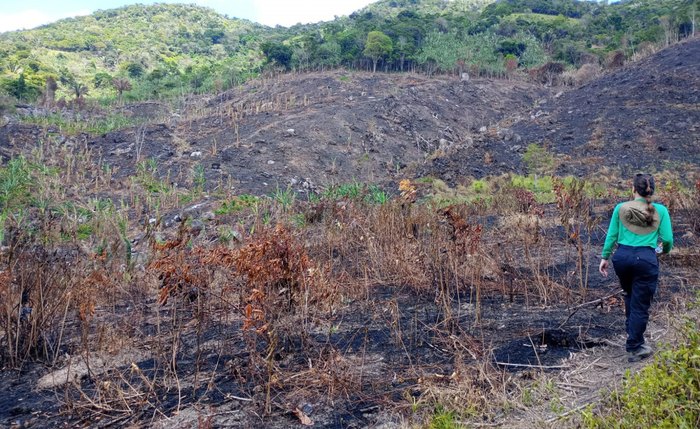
x=548 y=73
x=277 y=271
x=527 y=203
x=181 y=271
x=615 y=59
x=465 y=237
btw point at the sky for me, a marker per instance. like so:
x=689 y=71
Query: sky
x=19 y=14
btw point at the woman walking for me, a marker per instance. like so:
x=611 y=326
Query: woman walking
x=637 y=226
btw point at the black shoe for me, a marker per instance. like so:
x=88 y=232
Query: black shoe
x=643 y=352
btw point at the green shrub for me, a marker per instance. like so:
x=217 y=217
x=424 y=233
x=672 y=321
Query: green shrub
x=537 y=159
x=479 y=186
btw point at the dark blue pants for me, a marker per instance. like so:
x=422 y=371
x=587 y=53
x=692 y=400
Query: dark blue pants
x=638 y=271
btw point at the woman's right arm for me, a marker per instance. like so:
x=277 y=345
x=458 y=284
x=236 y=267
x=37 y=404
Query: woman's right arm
x=666 y=231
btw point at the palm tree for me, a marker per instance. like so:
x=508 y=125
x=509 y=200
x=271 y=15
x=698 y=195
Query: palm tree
x=121 y=85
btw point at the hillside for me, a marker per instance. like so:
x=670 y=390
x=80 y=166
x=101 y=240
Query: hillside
x=158 y=47
x=263 y=233
x=164 y=51
x=312 y=131
x=325 y=128
x=643 y=117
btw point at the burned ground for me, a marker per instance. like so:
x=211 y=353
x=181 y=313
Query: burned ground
x=319 y=129
x=644 y=116
x=380 y=312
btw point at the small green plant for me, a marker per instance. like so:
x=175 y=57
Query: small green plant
x=538 y=159
x=147 y=177
x=376 y=195
x=527 y=396
x=237 y=204
x=84 y=231
x=479 y=186
x=199 y=178
x=443 y=419
x=227 y=234
x=298 y=220
x=285 y=197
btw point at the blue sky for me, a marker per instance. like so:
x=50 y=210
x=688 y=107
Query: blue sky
x=18 y=14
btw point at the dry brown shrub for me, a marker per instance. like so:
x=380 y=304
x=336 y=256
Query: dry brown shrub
x=586 y=73
x=278 y=275
x=388 y=239
x=548 y=73
x=644 y=50
x=36 y=295
x=465 y=237
x=614 y=60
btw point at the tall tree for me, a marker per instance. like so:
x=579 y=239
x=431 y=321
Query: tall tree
x=378 y=45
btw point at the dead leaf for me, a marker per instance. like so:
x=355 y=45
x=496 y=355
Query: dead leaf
x=303 y=418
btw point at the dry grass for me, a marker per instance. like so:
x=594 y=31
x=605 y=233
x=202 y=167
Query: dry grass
x=259 y=312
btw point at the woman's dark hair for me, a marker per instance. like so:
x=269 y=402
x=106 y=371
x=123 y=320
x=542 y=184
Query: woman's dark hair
x=644 y=185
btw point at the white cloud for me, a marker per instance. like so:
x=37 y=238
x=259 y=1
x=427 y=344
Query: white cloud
x=285 y=12
x=31 y=18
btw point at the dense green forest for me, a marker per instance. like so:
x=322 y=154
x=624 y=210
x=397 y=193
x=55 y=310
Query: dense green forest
x=144 y=52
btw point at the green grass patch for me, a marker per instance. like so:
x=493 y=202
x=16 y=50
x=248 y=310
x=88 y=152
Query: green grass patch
x=236 y=204
x=99 y=125
x=664 y=394
x=375 y=195
x=84 y=231
x=347 y=190
x=443 y=419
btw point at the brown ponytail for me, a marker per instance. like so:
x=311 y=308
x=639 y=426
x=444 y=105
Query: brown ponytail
x=644 y=185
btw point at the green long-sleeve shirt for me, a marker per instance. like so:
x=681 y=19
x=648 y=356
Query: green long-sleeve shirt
x=617 y=233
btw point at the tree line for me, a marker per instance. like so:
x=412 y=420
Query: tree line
x=142 y=52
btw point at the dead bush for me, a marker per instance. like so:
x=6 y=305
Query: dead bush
x=586 y=73
x=278 y=275
x=576 y=214
x=588 y=58
x=548 y=74
x=37 y=293
x=614 y=60
x=644 y=50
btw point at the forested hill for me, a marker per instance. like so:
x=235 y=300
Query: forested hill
x=142 y=52
x=159 y=48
